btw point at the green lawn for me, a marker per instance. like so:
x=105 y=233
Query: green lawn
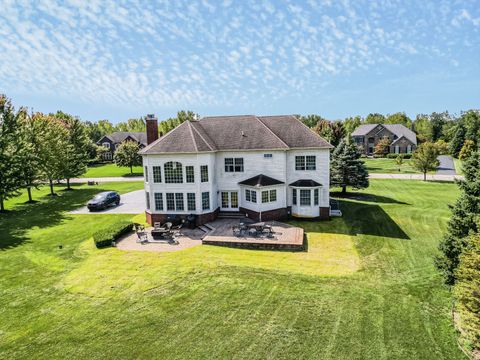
x=388 y=166
x=458 y=166
x=106 y=170
x=366 y=288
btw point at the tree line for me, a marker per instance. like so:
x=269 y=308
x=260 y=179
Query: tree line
x=97 y=129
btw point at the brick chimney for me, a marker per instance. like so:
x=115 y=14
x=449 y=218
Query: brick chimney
x=152 y=128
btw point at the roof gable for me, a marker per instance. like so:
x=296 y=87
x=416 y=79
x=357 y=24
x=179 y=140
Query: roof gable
x=230 y=133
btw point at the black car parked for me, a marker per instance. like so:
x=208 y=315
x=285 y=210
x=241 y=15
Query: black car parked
x=104 y=200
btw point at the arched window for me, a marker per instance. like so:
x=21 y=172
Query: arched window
x=173 y=172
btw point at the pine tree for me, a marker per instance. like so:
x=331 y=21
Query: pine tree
x=455 y=145
x=464 y=220
x=346 y=167
x=127 y=155
x=10 y=151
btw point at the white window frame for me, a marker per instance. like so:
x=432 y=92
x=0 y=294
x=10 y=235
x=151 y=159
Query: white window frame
x=157 y=174
x=191 y=201
x=205 y=200
x=158 y=197
x=173 y=175
x=305 y=163
x=190 y=176
x=302 y=198
x=234 y=165
x=203 y=173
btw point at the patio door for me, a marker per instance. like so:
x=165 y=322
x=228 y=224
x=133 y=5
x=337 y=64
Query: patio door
x=229 y=200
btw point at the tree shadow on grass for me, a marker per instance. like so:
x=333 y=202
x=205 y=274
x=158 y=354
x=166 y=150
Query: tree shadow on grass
x=46 y=212
x=367 y=197
x=369 y=219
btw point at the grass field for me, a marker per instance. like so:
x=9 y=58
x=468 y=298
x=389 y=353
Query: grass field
x=458 y=166
x=108 y=170
x=366 y=288
x=388 y=166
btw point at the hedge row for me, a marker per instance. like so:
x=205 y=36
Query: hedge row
x=394 y=156
x=105 y=237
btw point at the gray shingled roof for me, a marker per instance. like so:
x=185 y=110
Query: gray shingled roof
x=305 y=183
x=119 y=136
x=396 y=129
x=245 y=132
x=261 y=180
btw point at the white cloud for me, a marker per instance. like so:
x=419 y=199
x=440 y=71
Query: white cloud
x=200 y=53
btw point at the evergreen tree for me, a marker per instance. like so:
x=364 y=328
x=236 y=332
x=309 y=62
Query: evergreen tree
x=127 y=155
x=76 y=153
x=425 y=158
x=455 y=145
x=346 y=167
x=464 y=220
x=10 y=151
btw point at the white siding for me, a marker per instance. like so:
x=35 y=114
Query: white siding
x=280 y=166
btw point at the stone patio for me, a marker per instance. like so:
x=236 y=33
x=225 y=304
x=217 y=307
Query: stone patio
x=286 y=237
x=188 y=238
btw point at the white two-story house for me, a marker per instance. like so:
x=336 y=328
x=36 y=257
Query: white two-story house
x=267 y=167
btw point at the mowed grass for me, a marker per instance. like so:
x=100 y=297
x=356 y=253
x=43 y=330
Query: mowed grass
x=366 y=288
x=458 y=166
x=111 y=170
x=389 y=166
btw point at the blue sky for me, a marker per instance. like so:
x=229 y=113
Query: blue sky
x=115 y=59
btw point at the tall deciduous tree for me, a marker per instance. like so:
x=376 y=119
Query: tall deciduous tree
x=31 y=174
x=53 y=147
x=76 y=153
x=127 y=155
x=351 y=124
x=464 y=220
x=346 y=167
x=10 y=151
x=423 y=128
x=311 y=120
x=375 y=118
x=169 y=124
x=425 y=158
x=398 y=118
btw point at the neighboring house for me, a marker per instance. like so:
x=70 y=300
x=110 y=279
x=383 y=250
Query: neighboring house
x=403 y=140
x=113 y=140
x=267 y=167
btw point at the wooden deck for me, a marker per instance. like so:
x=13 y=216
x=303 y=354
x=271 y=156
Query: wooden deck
x=286 y=237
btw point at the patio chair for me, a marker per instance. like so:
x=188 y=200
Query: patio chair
x=252 y=232
x=236 y=231
x=157 y=225
x=167 y=225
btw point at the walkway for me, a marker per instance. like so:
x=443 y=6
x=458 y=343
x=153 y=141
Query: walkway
x=446 y=167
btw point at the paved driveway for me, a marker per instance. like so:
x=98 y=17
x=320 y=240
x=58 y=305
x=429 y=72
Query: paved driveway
x=130 y=203
x=446 y=167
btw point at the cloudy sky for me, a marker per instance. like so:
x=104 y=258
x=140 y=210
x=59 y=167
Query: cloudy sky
x=119 y=59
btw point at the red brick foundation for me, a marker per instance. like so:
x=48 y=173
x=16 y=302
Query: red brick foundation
x=162 y=218
x=277 y=214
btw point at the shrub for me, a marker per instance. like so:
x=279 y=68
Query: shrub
x=466 y=292
x=105 y=237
